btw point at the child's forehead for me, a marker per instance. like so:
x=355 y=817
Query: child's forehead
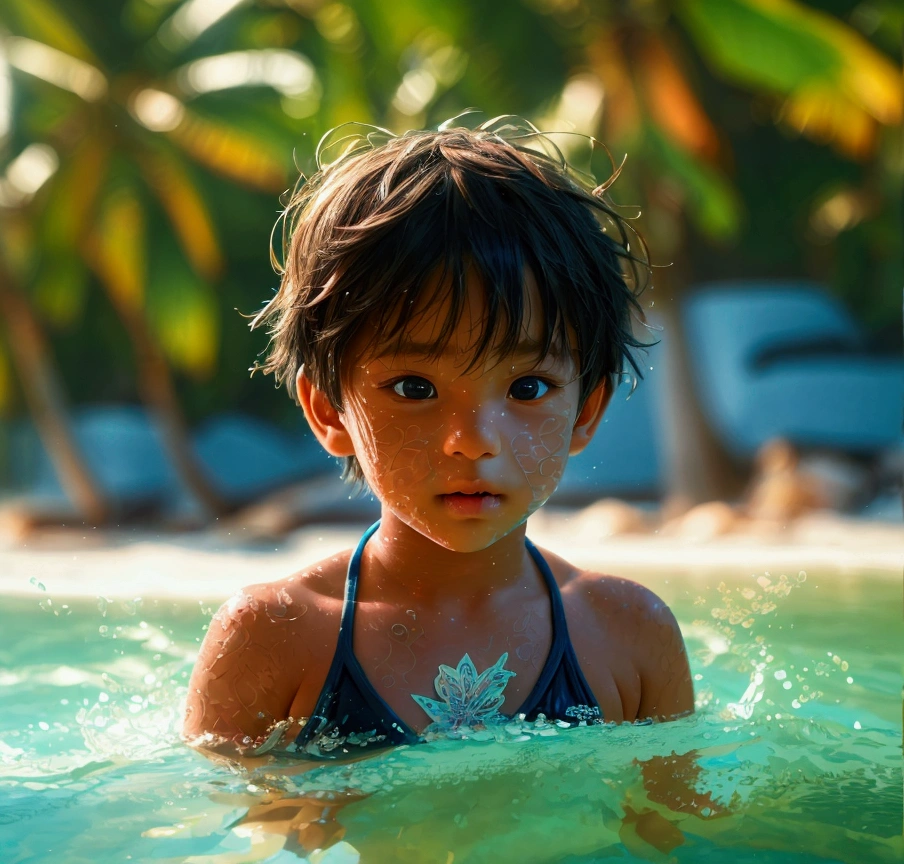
x=431 y=328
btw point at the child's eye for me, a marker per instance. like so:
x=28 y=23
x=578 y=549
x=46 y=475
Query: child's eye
x=529 y=388
x=414 y=388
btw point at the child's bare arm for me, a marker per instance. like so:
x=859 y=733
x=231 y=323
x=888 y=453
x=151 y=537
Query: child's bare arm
x=667 y=691
x=248 y=670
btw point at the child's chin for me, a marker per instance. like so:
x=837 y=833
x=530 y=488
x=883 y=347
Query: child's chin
x=466 y=537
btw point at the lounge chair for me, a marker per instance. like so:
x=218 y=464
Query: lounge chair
x=777 y=359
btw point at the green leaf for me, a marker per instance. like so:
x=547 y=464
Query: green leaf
x=182 y=311
x=768 y=46
x=188 y=214
x=116 y=246
x=232 y=151
x=61 y=288
x=826 y=68
x=70 y=199
x=43 y=21
x=712 y=201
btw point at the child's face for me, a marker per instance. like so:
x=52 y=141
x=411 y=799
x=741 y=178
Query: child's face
x=462 y=457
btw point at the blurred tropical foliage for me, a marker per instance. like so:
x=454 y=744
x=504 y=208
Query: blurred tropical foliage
x=144 y=145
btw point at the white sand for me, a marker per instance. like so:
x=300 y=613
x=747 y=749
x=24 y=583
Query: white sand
x=210 y=566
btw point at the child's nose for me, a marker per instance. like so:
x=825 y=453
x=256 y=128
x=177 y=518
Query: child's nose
x=473 y=435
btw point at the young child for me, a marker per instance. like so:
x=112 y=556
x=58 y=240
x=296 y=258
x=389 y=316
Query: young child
x=454 y=313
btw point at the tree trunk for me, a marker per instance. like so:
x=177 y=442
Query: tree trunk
x=159 y=394
x=698 y=467
x=46 y=402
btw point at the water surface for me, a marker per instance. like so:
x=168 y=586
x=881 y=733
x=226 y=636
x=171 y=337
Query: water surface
x=794 y=754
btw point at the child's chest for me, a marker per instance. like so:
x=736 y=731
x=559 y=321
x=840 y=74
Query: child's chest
x=402 y=652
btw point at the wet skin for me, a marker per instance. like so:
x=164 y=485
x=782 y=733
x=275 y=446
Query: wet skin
x=459 y=457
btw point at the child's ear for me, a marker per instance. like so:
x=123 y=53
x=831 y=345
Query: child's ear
x=325 y=421
x=589 y=417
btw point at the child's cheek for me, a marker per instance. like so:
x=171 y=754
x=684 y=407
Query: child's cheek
x=541 y=454
x=400 y=455
x=393 y=454
x=407 y=462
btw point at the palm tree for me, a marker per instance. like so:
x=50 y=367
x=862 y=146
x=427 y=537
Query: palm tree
x=818 y=77
x=46 y=400
x=120 y=111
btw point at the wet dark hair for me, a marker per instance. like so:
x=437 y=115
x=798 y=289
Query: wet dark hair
x=367 y=235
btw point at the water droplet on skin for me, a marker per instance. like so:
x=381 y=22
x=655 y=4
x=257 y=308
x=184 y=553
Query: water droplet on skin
x=39 y=585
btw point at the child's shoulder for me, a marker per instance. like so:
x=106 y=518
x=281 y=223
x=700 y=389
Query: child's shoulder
x=267 y=645
x=618 y=605
x=318 y=588
x=625 y=633
x=602 y=589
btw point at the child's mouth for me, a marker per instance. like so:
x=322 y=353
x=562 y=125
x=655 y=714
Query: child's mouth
x=471 y=504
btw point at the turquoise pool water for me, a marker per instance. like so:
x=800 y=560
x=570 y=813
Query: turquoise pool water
x=794 y=754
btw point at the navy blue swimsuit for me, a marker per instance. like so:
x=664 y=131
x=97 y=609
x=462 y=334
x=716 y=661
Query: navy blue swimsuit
x=350 y=714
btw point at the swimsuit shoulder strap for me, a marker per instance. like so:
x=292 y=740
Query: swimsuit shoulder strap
x=347 y=621
x=559 y=626
x=561 y=690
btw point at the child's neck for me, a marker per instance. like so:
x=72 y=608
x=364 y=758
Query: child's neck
x=410 y=567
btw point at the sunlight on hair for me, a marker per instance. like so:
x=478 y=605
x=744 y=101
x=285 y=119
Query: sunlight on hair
x=57 y=67
x=287 y=72
x=349 y=139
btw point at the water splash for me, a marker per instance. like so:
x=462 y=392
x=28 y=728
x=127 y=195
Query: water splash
x=753 y=605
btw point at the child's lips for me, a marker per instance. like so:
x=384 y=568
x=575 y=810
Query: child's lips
x=471 y=503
